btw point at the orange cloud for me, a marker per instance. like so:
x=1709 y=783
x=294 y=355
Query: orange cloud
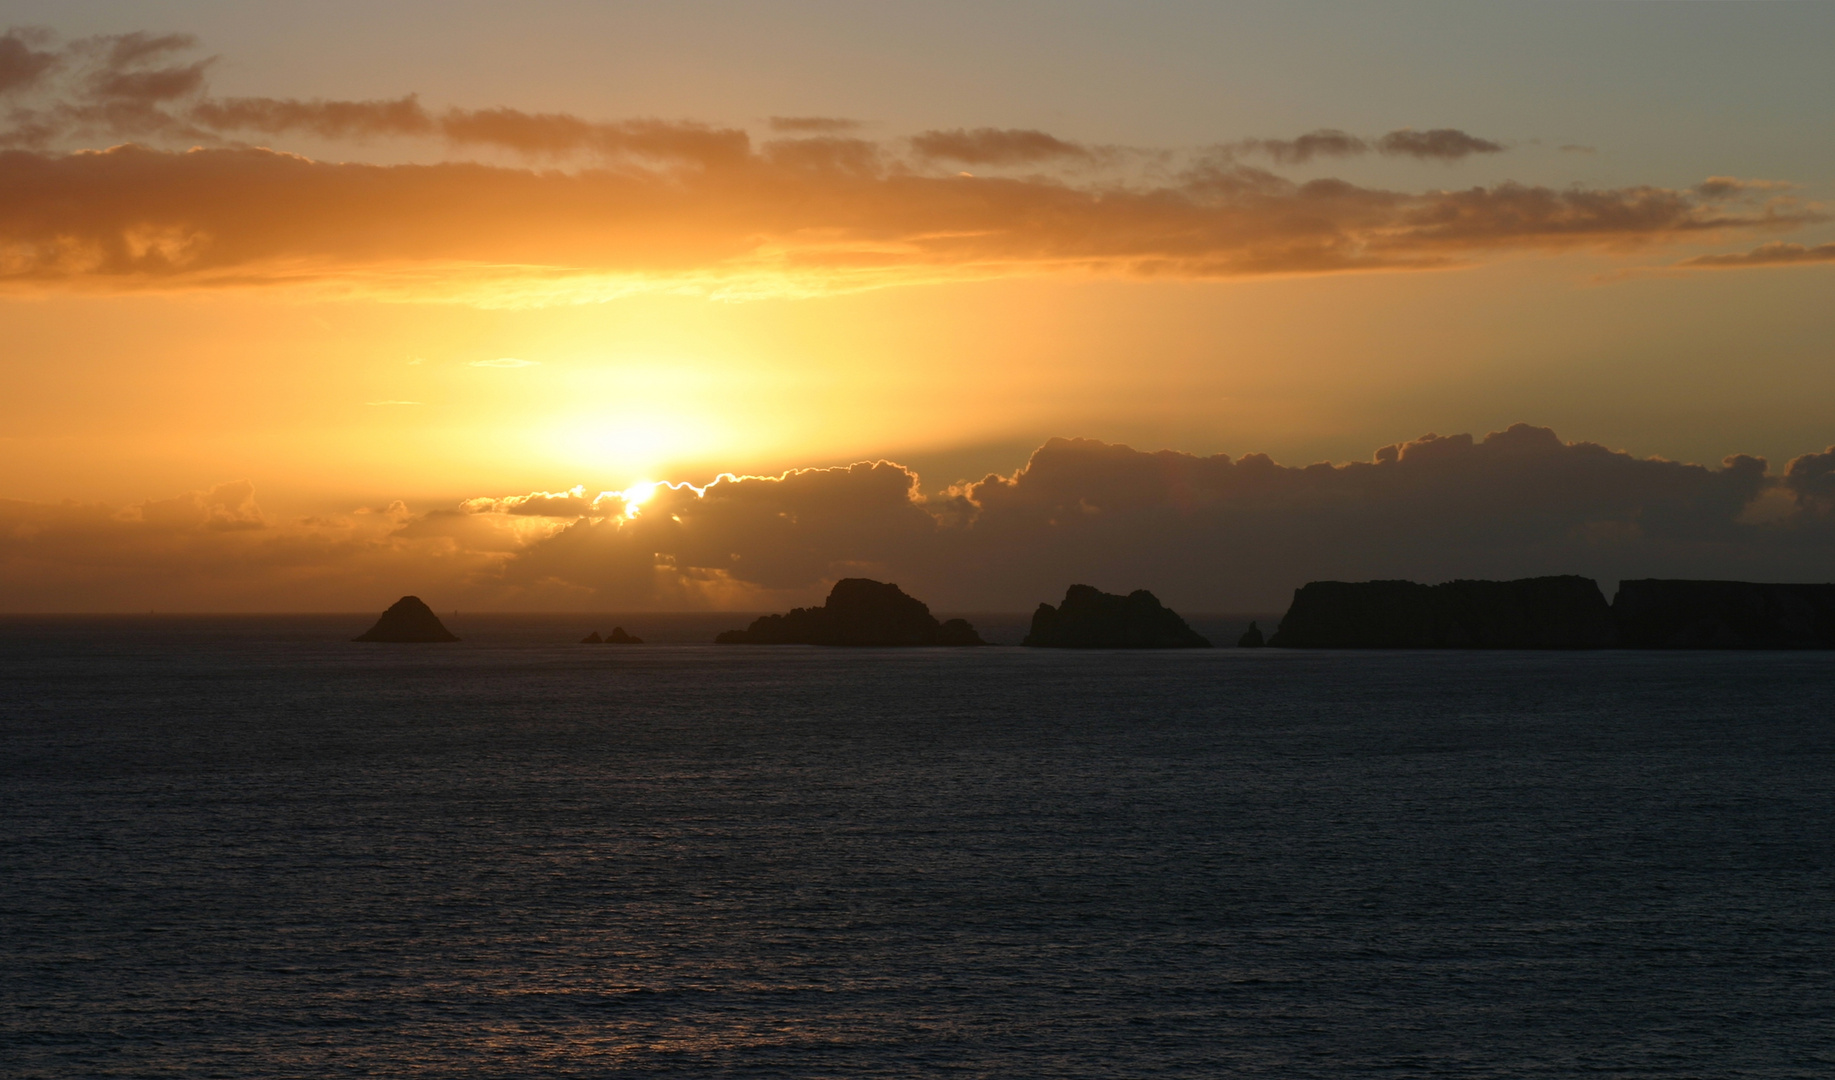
x=134 y=217
x=995 y=146
x=826 y=125
x=681 y=205
x=1776 y=253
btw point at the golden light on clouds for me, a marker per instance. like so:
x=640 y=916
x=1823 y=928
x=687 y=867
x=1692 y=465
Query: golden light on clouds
x=376 y=299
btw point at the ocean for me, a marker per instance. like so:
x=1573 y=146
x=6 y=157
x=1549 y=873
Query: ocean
x=246 y=847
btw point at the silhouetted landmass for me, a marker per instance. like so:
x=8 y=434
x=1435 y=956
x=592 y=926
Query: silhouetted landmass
x=1566 y=612
x=859 y=611
x=1659 y=614
x=616 y=637
x=1251 y=638
x=408 y=620
x=1092 y=619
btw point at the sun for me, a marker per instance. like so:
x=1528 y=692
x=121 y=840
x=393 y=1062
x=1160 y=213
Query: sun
x=638 y=494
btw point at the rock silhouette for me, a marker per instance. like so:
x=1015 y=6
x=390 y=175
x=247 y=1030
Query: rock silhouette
x=1658 y=614
x=616 y=637
x=1092 y=619
x=1251 y=638
x=1566 y=612
x=859 y=611
x=408 y=619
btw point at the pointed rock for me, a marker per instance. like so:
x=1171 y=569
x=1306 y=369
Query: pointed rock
x=1251 y=638
x=591 y=639
x=619 y=637
x=408 y=620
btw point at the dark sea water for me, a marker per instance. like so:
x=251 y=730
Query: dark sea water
x=246 y=847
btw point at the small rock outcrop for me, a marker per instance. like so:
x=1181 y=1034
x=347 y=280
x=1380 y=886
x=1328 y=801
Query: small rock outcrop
x=409 y=620
x=1251 y=638
x=1092 y=619
x=859 y=611
x=1658 y=614
x=616 y=637
x=1566 y=612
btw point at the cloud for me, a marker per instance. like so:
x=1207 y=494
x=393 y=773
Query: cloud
x=996 y=146
x=1440 y=144
x=1205 y=533
x=133 y=217
x=22 y=65
x=826 y=125
x=557 y=134
x=1326 y=142
x=541 y=135
x=1723 y=187
x=325 y=119
x=505 y=362
x=647 y=204
x=133 y=86
x=572 y=503
x=129 y=67
x=1776 y=253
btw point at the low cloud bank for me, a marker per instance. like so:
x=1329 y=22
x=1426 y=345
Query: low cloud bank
x=1204 y=533
x=595 y=208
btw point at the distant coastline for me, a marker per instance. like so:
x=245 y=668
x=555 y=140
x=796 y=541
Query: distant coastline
x=1562 y=612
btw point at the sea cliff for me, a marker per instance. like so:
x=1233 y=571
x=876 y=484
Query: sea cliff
x=1659 y=614
x=1566 y=612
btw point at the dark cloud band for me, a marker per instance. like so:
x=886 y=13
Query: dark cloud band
x=1212 y=533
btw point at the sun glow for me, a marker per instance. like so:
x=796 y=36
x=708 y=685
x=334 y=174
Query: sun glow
x=638 y=494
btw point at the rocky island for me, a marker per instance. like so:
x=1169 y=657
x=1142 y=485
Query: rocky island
x=1565 y=612
x=616 y=637
x=1092 y=619
x=1658 y=614
x=408 y=620
x=859 y=611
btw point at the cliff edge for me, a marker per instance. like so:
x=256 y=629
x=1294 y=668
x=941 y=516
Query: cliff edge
x=859 y=611
x=1092 y=619
x=1565 y=612
x=1659 y=614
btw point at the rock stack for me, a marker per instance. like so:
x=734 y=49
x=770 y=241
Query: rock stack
x=616 y=637
x=408 y=620
x=859 y=611
x=1092 y=619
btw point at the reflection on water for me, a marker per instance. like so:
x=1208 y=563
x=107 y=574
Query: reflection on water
x=247 y=847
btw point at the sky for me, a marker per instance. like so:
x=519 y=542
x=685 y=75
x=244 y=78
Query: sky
x=626 y=306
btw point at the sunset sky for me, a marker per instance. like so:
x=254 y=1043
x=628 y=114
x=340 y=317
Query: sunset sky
x=305 y=306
